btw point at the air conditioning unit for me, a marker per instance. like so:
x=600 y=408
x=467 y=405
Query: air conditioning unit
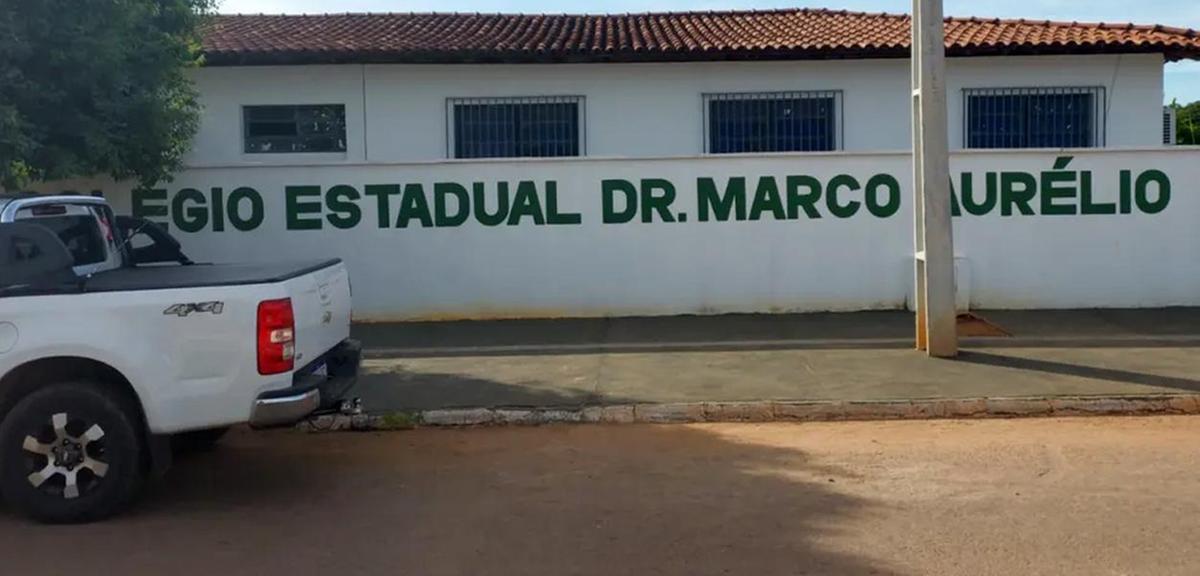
x=1169 y=125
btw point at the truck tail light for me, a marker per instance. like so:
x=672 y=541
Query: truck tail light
x=276 y=336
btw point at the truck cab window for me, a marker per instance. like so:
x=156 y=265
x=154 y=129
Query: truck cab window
x=78 y=227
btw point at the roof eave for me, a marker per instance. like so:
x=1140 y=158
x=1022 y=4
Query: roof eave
x=296 y=58
x=532 y=57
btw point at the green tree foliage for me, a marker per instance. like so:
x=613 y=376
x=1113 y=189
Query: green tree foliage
x=96 y=87
x=1187 y=124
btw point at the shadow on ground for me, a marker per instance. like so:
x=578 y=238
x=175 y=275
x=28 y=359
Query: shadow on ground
x=548 y=500
x=628 y=334
x=1080 y=370
x=398 y=388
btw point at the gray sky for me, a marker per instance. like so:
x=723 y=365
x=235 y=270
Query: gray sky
x=1182 y=79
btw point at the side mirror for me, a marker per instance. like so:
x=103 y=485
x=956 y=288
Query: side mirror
x=32 y=257
x=149 y=243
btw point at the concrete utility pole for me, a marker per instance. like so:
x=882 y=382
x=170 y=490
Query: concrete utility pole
x=933 y=236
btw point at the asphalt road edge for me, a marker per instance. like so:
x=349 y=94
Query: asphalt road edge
x=771 y=411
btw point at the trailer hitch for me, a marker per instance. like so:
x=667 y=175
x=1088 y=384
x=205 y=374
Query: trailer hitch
x=347 y=407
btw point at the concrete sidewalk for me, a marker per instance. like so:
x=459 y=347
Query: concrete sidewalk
x=860 y=357
x=882 y=329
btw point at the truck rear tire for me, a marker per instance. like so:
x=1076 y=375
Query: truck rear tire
x=71 y=452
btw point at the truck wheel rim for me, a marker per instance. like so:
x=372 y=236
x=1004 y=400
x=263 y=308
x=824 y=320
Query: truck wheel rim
x=66 y=457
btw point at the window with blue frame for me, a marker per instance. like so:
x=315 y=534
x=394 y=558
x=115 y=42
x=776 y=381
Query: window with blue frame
x=536 y=127
x=772 y=122
x=1034 y=118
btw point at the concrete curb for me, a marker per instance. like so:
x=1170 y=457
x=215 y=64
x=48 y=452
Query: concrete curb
x=1085 y=341
x=773 y=411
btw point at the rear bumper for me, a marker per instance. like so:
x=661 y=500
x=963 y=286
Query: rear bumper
x=274 y=409
x=311 y=391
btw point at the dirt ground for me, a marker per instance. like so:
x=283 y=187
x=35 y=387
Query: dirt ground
x=1075 y=496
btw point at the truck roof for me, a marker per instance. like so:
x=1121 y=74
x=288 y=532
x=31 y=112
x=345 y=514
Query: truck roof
x=6 y=201
x=7 y=197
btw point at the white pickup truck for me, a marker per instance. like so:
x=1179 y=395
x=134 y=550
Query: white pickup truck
x=113 y=344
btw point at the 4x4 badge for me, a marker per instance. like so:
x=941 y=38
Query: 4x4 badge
x=184 y=310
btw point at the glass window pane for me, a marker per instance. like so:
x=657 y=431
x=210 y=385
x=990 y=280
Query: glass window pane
x=783 y=122
x=1033 y=118
x=518 y=128
x=295 y=128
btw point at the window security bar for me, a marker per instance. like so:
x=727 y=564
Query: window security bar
x=1065 y=117
x=793 y=121
x=515 y=127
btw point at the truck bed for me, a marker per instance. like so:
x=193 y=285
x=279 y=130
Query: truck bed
x=199 y=276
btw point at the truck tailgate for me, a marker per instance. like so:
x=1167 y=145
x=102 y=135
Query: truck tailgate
x=321 y=304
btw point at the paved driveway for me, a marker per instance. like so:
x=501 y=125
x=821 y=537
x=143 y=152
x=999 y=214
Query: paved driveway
x=1082 y=496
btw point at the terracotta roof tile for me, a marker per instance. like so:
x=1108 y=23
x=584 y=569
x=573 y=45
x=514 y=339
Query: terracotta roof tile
x=745 y=35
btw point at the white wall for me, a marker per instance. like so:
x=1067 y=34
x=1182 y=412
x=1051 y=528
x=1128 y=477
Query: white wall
x=643 y=110
x=1133 y=86
x=1134 y=259
x=224 y=91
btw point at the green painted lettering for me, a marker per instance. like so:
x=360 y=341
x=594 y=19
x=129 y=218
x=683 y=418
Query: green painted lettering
x=807 y=201
x=553 y=216
x=414 y=205
x=1142 y=196
x=767 y=199
x=657 y=203
x=1086 y=204
x=478 y=190
x=342 y=202
x=382 y=192
x=218 y=210
x=189 y=218
x=608 y=192
x=972 y=205
x=891 y=204
x=234 y=209
x=526 y=203
x=720 y=205
x=149 y=203
x=1056 y=185
x=955 y=207
x=1017 y=190
x=1126 y=197
x=442 y=192
x=831 y=196
x=295 y=208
